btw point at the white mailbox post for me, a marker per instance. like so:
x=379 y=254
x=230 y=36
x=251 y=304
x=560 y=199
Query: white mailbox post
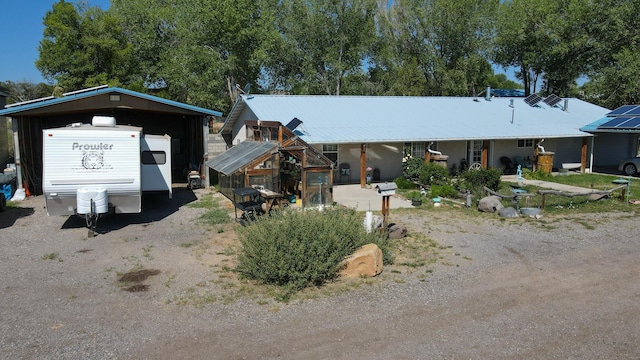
x=386 y=190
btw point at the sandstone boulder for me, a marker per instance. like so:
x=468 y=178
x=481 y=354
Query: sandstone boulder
x=366 y=261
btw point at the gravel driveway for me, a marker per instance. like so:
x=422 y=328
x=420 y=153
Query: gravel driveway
x=501 y=289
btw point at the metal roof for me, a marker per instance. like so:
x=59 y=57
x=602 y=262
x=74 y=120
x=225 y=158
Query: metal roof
x=239 y=156
x=45 y=102
x=379 y=119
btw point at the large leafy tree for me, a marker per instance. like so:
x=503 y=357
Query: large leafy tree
x=20 y=91
x=322 y=46
x=196 y=51
x=83 y=47
x=433 y=47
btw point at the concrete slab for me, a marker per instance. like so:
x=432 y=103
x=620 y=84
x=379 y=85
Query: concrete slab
x=353 y=196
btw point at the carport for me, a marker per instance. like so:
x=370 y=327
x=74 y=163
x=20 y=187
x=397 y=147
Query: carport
x=187 y=125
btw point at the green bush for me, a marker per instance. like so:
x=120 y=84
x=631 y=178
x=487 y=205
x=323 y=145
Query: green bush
x=403 y=183
x=444 y=191
x=475 y=180
x=536 y=175
x=296 y=249
x=411 y=168
x=433 y=174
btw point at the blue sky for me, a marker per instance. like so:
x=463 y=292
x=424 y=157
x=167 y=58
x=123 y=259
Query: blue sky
x=22 y=25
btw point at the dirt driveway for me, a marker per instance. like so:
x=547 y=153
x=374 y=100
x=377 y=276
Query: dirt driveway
x=522 y=288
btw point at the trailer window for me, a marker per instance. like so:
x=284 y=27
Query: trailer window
x=154 y=157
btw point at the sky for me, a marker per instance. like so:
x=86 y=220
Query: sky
x=22 y=31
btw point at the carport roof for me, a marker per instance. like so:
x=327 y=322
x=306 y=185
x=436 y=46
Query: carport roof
x=130 y=100
x=239 y=156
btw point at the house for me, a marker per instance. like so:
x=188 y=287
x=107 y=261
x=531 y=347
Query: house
x=365 y=132
x=616 y=135
x=187 y=125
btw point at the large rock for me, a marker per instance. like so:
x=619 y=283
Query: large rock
x=490 y=204
x=366 y=261
x=397 y=231
x=509 y=212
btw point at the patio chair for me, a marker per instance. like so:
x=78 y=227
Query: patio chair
x=345 y=171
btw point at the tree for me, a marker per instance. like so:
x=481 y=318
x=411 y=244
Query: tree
x=83 y=47
x=196 y=51
x=25 y=91
x=437 y=47
x=322 y=46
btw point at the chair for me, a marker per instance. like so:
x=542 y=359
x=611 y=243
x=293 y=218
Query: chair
x=508 y=167
x=345 y=170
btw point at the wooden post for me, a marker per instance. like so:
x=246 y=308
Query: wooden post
x=485 y=154
x=542 y=204
x=385 y=210
x=363 y=165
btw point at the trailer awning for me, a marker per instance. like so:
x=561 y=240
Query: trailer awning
x=240 y=156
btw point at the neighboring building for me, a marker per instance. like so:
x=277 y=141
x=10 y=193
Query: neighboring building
x=4 y=135
x=378 y=132
x=616 y=135
x=187 y=125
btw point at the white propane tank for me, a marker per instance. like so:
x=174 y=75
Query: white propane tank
x=99 y=197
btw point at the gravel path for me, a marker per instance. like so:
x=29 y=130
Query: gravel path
x=520 y=288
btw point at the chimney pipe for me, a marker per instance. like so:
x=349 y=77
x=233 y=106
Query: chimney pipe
x=566 y=105
x=487 y=94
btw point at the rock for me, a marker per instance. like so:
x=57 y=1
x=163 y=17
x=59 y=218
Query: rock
x=397 y=231
x=490 y=204
x=366 y=261
x=509 y=212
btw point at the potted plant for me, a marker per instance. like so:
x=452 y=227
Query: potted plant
x=415 y=197
x=369 y=176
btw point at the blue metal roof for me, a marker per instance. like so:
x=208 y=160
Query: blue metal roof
x=357 y=119
x=106 y=90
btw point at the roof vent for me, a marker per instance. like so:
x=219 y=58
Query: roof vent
x=104 y=121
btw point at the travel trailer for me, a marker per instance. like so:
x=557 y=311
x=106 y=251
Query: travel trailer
x=94 y=169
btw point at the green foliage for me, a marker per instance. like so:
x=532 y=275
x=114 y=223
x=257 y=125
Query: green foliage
x=536 y=175
x=475 y=180
x=297 y=249
x=403 y=183
x=411 y=168
x=444 y=191
x=433 y=174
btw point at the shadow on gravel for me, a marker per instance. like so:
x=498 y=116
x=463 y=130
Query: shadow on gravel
x=9 y=216
x=154 y=208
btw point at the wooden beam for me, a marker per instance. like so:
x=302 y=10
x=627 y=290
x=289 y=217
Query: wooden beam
x=363 y=165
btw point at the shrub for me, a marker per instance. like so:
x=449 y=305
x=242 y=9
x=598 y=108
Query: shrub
x=411 y=168
x=433 y=174
x=403 y=183
x=297 y=249
x=444 y=191
x=536 y=175
x=474 y=180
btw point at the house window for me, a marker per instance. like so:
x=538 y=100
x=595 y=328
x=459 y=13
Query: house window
x=476 y=155
x=525 y=143
x=415 y=149
x=330 y=151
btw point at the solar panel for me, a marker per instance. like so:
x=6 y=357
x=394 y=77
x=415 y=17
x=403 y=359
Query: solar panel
x=532 y=99
x=293 y=124
x=626 y=110
x=621 y=123
x=552 y=100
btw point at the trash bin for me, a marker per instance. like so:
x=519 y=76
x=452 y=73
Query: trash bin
x=8 y=184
